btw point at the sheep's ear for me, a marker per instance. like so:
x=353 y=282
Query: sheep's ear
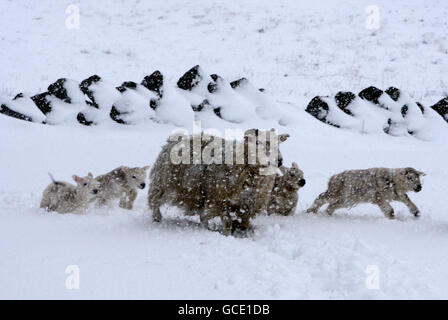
x=420 y=173
x=295 y=165
x=90 y=174
x=76 y=178
x=283 y=169
x=283 y=137
x=145 y=167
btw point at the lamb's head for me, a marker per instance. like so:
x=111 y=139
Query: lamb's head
x=409 y=179
x=263 y=147
x=88 y=186
x=292 y=177
x=136 y=177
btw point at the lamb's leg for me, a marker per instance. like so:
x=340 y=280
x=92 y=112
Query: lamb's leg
x=45 y=203
x=333 y=206
x=411 y=206
x=123 y=202
x=100 y=202
x=319 y=202
x=387 y=209
x=127 y=201
x=131 y=199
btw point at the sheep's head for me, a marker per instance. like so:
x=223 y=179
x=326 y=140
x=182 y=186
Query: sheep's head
x=87 y=185
x=292 y=178
x=136 y=177
x=409 y=179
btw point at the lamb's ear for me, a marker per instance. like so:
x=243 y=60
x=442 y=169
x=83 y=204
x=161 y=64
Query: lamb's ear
x=90 y=174
x=283 y=169
x=294 y=165
x=145 y=167
x=76 y=178
x=283 y=137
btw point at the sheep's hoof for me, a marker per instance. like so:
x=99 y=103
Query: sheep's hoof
x=240 y=229
x=240 y=226
x=416 y=214
x=391 y=216
x=236 y=225
x=227 y=232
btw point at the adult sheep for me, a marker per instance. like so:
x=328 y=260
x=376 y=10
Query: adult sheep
x=215 y=177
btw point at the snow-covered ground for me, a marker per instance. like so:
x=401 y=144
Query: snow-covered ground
x=295 y=50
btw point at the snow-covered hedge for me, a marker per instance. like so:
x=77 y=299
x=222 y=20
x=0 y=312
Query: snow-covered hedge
x=373 y=110
x=94 y=101
x=199 y=95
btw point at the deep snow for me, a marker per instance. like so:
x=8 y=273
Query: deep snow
x=322 y=48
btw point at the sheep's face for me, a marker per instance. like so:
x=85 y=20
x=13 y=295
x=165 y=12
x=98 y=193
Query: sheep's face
x=410 y=179
x=263 y=147
x=88 y=185
x=293 y=177
x=136 y=177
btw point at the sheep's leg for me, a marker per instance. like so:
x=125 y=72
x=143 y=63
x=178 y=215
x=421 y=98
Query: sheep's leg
x=333 y=206
x=127 y=200
x=387 y=209
x=194 y=212
x=45 y=203
x=245 y=222
x=155 y=200
x=123 y=202
x=226 y=220
x=156 y=215
x=100 y=202
x=53 y=205
x=411 y=206
x=319 y=202
x=206 y=217
x=132 y=196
